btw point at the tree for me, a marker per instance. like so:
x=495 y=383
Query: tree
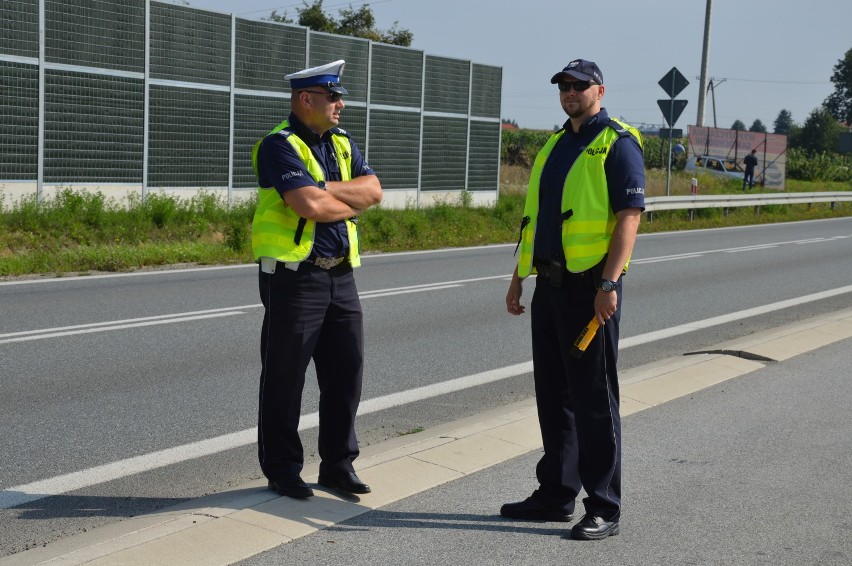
x=820 y=132
x=783 y=123
x=757 y=126
x=353 y=22
x=396 y=36
x=358 y=23
x=313 y=17
x=738 y=125
x=839 y=103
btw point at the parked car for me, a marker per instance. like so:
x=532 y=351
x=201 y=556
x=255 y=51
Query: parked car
x=768 y=175
x=723 y=166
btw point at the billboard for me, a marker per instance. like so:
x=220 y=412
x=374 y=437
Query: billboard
x=721 y=152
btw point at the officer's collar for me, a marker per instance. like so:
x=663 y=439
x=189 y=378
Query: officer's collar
x=306 y=134
x=599 y=118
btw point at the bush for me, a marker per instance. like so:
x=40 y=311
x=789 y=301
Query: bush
x=806 y=166
x=237 y=235
x=519 y=147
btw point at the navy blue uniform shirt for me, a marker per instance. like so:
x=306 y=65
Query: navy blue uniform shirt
x=625 y=177
x=279 y=166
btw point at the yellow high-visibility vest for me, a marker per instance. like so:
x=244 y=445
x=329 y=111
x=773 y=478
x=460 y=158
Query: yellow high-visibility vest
x=276 y=230
x=588 y=220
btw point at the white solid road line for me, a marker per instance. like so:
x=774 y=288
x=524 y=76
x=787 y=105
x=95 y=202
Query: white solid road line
x=28 y=335
x=726 y=318
x=20 y=494
x=101 y=327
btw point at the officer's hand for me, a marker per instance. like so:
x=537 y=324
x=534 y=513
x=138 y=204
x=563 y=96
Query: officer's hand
x=606 y=303
x=513 y=297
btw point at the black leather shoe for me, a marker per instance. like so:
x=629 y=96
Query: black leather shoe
x=592 y=527
x=531 y=510
x=344 y=481
x=291 y=487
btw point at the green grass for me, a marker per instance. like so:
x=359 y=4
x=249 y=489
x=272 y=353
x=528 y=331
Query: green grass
x=414 y=430
x=78 y=232
x=667 y=221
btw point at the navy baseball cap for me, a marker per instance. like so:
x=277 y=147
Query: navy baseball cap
x=581 y=70
x=326 y=76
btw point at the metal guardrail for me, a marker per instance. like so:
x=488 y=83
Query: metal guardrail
x=732 y=201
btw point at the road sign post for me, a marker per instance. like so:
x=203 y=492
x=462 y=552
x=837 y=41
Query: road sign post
x=673 y=83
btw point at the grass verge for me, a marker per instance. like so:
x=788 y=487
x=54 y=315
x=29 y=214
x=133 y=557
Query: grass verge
x=79 y=232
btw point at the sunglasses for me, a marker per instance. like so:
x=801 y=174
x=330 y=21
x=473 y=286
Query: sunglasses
x=332 y=96
x=578 y=86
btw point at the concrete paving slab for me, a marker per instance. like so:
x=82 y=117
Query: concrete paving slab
x=220 y=541
x=472 y=453
x=524 y=433
x=294 y=518
x=707 y=370
x=400 y=478
x=800 y=342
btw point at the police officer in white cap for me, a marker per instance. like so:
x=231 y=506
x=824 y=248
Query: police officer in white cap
x=313 y=182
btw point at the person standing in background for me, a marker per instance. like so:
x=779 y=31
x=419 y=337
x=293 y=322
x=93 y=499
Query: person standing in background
x=750 y=162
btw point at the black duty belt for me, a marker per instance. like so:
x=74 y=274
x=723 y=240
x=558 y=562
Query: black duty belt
x=556 y=272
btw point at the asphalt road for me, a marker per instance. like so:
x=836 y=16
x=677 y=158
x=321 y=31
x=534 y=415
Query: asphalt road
x=110 y=384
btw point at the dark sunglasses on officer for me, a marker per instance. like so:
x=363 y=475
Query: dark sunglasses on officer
x=578 y=86
x=332 y=96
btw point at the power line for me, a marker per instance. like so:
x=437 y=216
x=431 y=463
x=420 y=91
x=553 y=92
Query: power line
x=782 y=82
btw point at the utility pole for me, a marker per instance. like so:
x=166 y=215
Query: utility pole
x=705 y=53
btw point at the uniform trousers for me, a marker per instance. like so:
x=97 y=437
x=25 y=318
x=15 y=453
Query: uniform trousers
x=577 y=399
x=311 y=313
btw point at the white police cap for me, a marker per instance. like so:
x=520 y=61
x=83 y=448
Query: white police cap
x=325 y=76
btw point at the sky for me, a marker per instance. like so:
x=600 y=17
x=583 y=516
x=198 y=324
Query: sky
x=764 y=55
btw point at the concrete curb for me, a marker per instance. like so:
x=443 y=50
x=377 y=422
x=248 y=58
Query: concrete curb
x=236 y=524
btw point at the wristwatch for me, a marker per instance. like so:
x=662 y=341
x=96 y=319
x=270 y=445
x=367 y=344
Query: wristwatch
x=607 y=285
x=321 y=185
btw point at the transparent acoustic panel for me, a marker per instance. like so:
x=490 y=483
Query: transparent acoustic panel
x=326 y=48
x=107 y=34
x=18 y=122
x=254 y=117
x=447 y=85
x=20 y=28
x=190 y=45
x=487 y=91
x=394 y=148
x=188 y=138
x=484 y=159
x=93 y=128
x=397 y=76
x=354 y=120
x=444 y=154
x=266 y=52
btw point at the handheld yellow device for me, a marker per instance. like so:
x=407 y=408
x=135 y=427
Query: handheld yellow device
x=585 y=338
